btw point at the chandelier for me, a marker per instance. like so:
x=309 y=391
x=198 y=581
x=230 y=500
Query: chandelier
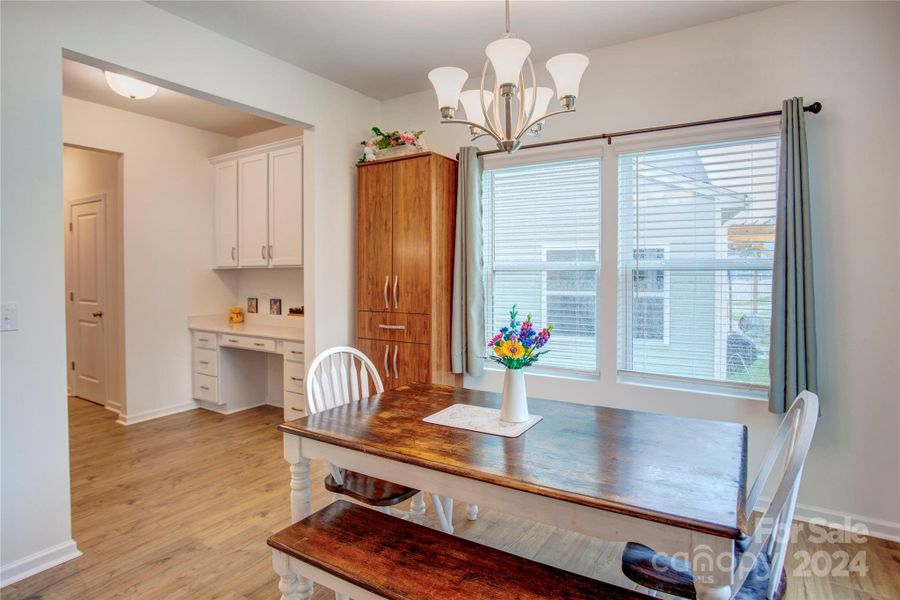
x=520 y=110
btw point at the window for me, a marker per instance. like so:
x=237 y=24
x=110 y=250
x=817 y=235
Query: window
x=542 y=247
x=696 y=239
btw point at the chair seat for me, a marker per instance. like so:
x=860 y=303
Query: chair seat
x=369 y=490
x=673 y=575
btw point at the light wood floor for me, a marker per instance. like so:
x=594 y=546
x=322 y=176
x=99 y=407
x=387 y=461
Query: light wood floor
x=180 y=507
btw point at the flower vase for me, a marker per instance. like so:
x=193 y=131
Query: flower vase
x=514 y=405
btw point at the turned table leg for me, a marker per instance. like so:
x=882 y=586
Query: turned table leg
x=712 y=563
x=293 y=587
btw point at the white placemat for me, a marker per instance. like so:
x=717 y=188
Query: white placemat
x=480 y=419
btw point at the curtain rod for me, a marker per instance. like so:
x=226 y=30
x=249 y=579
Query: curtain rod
x=815 y=108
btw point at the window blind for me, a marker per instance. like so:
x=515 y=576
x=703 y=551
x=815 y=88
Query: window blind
x=696 y=240
x=542 y=253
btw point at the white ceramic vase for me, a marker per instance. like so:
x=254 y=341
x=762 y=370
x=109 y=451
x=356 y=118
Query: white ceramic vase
x=514 y=406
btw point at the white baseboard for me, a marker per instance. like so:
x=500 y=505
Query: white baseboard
x=878 y=528
x=156 y=413
x=37 y=562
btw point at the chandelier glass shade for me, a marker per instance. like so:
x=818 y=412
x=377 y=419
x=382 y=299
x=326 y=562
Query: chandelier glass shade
x=513 y=105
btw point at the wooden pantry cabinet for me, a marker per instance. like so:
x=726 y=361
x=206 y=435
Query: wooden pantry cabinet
x=258 y=195
x=406 y=214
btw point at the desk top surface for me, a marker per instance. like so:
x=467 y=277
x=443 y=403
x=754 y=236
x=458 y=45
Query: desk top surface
x=220 y=324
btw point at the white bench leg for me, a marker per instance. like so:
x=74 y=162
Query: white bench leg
x=417 y=505
x=291 y=586
x=338 y=596
x=444 y=521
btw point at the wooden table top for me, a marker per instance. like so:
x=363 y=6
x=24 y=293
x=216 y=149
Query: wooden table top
x=690 y=473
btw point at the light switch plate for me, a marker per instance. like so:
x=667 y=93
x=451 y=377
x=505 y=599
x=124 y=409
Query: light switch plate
x=9 y=317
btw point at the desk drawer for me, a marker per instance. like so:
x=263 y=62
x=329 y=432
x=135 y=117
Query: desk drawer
x=294 y=351
x=294 y=374
x=394 y=327
x=206 y=362
x=206 y=388
x=294 y=406
x=205 y=339
x=248 y=343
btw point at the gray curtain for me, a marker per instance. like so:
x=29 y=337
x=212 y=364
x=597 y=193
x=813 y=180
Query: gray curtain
x=467 y=343
x=792 y=358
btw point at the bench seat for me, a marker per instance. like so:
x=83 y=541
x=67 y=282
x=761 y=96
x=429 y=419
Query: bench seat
x=391 y=558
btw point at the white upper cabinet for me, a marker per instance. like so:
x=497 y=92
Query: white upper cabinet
x=286 y=207
x=226 y=207
x=253 y=206
x=259 y=207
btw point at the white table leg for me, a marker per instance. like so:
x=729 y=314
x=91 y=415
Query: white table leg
x=712 y=563
x=291 y=586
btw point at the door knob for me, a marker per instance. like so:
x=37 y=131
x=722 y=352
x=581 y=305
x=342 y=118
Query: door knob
x=99 y=313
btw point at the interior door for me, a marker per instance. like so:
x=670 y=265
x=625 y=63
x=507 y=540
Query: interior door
x=88 y=297
x=225 y=193
x=253 y=209
x=411 y=214
x=374 y=237
x=286 y=207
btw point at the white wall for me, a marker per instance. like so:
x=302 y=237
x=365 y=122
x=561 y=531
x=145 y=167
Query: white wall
x=846 y=55
x=168 y=244
x=269 y=136
x=35 y=512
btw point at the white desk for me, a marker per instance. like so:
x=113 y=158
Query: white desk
x=236 y=367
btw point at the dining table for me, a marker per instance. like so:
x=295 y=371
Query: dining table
x=675 y=484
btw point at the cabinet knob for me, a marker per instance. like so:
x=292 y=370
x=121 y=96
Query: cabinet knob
x=263 y=252
x=233 y=253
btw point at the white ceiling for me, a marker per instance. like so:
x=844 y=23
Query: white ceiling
x=88 y=83
x=385 y=49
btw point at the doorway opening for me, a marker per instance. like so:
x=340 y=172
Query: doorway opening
x=92 y=193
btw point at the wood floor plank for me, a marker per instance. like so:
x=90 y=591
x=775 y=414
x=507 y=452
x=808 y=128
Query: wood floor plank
x=180 y=508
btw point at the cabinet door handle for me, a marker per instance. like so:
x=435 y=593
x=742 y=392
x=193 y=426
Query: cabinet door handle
x=264 y=251
x=204 y=340
x=396 y=373
x=233 y=253
x=396 y=304
x=259 y=344
x=299 y=410
x=387 y=370
x=387 y=279
x=270 y=251
x=296 y=378
x=204 y=362
x=395 y=327
x=204 y=388
x=233 y=341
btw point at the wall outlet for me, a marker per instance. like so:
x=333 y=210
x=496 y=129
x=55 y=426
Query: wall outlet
x=9 y=317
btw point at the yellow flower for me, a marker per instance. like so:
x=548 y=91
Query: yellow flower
x=514 y=349
x=500 y=350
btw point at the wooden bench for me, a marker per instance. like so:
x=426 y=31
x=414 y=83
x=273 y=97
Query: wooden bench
x=368 y=554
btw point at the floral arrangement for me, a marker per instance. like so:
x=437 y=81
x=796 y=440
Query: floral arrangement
x=519 y=345
x=381 y=141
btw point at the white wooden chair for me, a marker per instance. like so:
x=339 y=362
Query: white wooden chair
x=341 y=375
x=759 y=569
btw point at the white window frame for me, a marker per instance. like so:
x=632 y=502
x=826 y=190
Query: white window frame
x=765 y=127
x=536 y=157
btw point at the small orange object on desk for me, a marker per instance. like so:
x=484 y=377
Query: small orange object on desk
x=236 y=315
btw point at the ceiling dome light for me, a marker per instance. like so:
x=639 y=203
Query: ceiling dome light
x=130 y=87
